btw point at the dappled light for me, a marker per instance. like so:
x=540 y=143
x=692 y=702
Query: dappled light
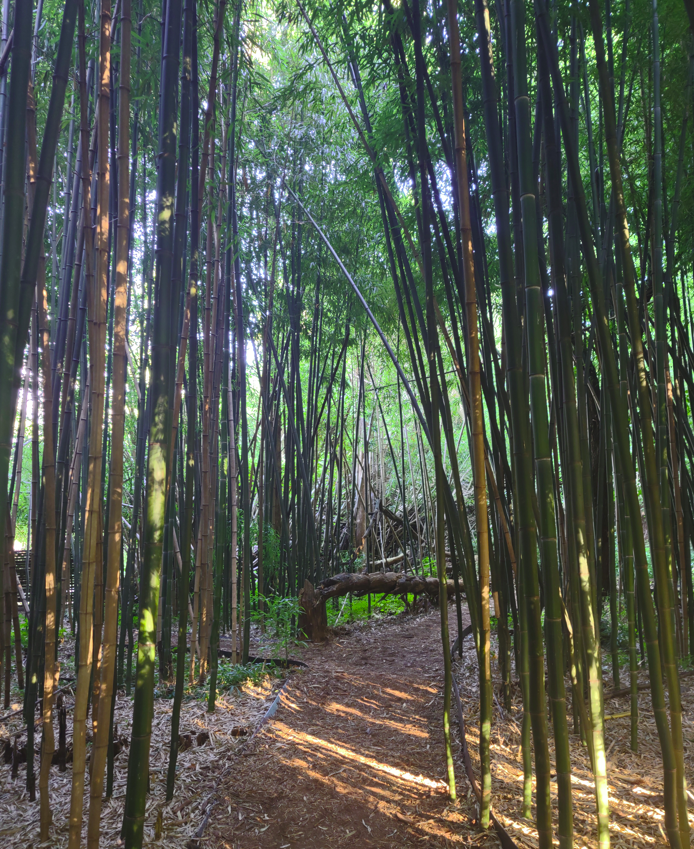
x=354 y=751
x=346 y=424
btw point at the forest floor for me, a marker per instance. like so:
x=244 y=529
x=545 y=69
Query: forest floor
x=209 y=743
x=352 y=757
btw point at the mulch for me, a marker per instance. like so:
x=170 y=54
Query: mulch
x=210 y=742
x=354 y=755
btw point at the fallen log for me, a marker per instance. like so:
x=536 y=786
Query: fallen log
x=313 y=619
x=392 y=516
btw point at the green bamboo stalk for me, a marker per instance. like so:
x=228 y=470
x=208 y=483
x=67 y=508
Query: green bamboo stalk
x=631 y=626
x=611 y=560
x=44 y=179
x=532 y=671
x=477 y=415
x=96 y=300
x=564 y=385
x=620 y=417
x=664 y=574
x=433 y=349
x=627 y=546
x=51 y=666
x=675 y=790
x=160 y=433
x=189 y=128
x=535 y=335
x=12 y=238
x=575 y=479
x=534 y=309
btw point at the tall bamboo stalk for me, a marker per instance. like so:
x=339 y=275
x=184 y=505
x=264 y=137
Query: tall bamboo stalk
x=476 y=415
x=534 y=314
x=51 y=667
x=189 y=127
x=664 y=575
x=162 y=378
x=118 y=379
x=96 y=300
x=611 y=377
x=435 y=399
x=541 y=442
x=12 y=237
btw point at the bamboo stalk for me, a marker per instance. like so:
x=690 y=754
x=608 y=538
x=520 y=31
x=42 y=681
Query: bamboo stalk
x=118 y=383
x=162 y=387
x=476 y=416
x=51 y=667
x=620 y=416
x=12 y=227
x=92 y=498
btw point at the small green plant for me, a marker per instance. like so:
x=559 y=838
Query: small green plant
x=271 y=554
x=231 y=675
x=429 y=565
x=280 y=616
x=24 y=630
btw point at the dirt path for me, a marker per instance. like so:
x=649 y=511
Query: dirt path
x=354 y=755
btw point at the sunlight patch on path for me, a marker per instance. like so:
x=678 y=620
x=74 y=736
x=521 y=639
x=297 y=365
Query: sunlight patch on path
x=348 y=754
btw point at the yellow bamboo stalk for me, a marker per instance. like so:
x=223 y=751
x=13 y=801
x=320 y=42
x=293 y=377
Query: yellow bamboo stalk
x=96 y=306
x=476 y=411
x=115 y=529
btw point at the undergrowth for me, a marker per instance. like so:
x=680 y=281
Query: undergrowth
x=342 y=611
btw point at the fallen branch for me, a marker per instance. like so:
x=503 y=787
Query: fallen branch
x=626 y=691
x=70 y=686
x=313 y=620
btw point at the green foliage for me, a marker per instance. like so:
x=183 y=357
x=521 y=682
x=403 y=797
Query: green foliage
x=279 y=617
x=429 y=565
x=235 y=675
x=271 y=554
x=356 y=609
x=24 y=630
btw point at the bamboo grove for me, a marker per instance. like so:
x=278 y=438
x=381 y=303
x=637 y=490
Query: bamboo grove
x=294 y=290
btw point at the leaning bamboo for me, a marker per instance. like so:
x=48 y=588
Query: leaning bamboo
x=574 y=481
x=610 y=373
x=662 y=507
x=435 y=423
